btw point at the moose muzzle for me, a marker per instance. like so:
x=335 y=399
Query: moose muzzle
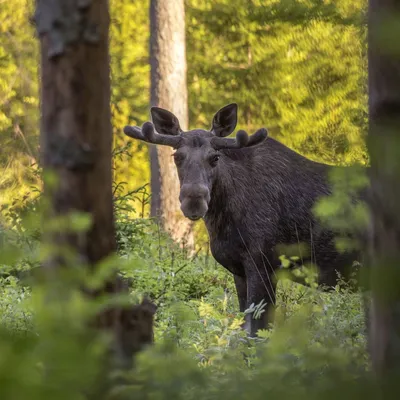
x=194 y=200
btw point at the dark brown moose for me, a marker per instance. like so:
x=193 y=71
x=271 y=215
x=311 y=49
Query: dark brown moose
x=254 y=194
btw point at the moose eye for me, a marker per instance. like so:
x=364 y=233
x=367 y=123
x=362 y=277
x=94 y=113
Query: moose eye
x=214 y=159
x=178 y=157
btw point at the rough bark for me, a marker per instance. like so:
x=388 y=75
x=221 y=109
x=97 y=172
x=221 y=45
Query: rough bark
x=76 y=140
x=169 y=91
x=384 y=149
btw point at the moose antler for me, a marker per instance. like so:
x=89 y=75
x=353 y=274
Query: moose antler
x=149 y=135
x=242 y=140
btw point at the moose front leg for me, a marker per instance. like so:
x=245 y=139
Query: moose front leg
x=241 y=290
x=261 y=285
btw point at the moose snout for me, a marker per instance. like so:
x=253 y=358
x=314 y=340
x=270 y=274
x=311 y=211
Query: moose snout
x=194 y=200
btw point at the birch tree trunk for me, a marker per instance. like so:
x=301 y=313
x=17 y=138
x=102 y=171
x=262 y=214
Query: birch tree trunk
x=169 y=91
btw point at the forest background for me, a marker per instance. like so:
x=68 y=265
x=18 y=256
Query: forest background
x=297 y=68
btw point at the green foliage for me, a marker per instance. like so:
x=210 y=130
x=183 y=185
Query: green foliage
x=316 y=343
x=297 y=68
x=161 y=266
x=340 y=211
x=130 y=73
x=18 y=99
x=15 y=315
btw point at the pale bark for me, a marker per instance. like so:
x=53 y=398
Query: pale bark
x=169 y=91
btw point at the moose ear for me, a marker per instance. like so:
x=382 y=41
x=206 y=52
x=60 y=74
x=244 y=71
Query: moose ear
x=165 y=122
x=225 y=120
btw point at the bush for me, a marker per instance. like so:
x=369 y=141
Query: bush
x=315 y=348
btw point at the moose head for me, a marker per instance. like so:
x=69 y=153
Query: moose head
x=198 y=156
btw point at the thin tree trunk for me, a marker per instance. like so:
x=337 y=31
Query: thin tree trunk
x=76 y=140
x=169 y=91
x=384 y=149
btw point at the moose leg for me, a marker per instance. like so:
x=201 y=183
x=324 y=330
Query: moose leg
x=241 y=289
x=260 y=286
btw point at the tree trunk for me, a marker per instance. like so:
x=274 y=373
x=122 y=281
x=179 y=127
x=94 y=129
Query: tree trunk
x=76 y=140
x=384 y=149
x=169 y=91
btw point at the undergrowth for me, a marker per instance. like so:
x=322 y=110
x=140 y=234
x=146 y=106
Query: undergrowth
x=315 y=346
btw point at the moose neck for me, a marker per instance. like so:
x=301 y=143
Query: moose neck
x=233 y=188
x=251 y=178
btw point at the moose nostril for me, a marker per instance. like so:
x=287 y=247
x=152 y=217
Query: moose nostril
x=194 y=208
x=203 y=191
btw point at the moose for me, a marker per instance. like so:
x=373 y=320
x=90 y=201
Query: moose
x=254 y=194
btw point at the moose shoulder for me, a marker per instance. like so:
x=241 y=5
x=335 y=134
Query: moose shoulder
x=254 y=194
